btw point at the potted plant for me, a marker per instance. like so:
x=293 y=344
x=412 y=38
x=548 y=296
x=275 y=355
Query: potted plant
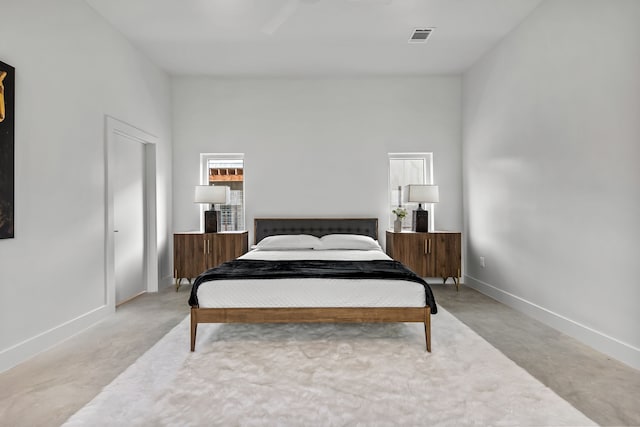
x=400 y=213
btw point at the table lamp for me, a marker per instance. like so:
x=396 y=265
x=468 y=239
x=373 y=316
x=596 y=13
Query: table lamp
x=212 y=194
x=421 y=194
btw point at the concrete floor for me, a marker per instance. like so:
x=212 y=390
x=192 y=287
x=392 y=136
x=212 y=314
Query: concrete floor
x=605 y=390
x=50 y=387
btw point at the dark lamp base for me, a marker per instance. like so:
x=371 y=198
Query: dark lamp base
x=420 y=221
x=210 y=222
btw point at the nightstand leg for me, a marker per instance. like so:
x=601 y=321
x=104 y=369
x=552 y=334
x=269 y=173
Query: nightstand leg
x=177 y=283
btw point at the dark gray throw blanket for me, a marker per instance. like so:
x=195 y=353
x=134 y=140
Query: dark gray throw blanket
x=309 y=269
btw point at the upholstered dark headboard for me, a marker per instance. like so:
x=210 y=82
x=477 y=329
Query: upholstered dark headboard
x=318 y=227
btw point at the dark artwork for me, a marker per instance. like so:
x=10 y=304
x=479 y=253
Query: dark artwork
x=7 y=98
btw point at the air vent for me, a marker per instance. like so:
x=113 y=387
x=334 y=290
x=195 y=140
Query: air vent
x=420 y=35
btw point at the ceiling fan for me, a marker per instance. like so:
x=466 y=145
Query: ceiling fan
x=290 y=7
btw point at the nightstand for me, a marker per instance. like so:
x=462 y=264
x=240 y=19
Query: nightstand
x=435 y=254
x=195 y=252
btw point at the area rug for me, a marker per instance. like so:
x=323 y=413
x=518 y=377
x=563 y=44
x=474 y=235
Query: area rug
x=326 y=375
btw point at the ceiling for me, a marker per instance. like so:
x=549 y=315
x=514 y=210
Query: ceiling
x=313 y=37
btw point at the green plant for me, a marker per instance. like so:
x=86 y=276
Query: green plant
x=400 y=212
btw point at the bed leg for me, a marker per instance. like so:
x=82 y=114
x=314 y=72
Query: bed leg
x=427 y=327
x=194 y=328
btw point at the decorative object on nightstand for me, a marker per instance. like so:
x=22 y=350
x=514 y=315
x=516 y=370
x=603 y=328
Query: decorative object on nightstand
x=400 y=213
x=212 y=194
x=421 y=194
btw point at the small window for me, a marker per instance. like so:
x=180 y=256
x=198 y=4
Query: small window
x=226 y=170
x=406 y=169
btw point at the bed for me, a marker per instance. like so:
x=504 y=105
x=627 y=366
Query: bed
x=319 y=270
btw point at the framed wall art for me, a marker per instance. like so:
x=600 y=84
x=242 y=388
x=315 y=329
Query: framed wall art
x=7 y=122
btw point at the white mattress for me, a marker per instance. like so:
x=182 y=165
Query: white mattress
x=311 y=292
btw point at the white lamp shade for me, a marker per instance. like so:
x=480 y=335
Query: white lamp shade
x=213 y=194
x=421 y=193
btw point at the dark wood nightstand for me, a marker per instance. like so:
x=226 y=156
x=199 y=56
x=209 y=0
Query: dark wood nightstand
x=195 y=252
x=435 y=254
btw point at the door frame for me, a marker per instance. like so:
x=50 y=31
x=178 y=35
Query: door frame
x=113 y=129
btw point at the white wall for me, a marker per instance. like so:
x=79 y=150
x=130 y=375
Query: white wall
x=552 y=183
x=317 y=147
x=71 y=70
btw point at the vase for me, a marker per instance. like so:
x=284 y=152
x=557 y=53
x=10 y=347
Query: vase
x=397 y=226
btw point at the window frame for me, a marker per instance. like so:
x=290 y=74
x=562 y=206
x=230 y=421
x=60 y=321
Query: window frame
x=427 y=158
x=204 y=180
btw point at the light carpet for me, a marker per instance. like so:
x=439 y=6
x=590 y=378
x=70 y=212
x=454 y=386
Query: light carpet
x=326 y=375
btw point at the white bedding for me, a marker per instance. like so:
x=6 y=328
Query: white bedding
x=311 y=292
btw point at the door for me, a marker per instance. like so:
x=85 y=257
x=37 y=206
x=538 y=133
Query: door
x=411 y=249
x=190 y=257
x=129 y=218
x=448 y=251
x=228 y=246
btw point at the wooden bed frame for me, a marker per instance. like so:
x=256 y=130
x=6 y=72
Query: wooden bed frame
x=319 y=227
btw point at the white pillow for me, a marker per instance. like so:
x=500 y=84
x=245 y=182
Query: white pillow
x=288 y=242
x=347 y=241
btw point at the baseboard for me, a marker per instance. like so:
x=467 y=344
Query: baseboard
x=608 y=345
x=25 y=350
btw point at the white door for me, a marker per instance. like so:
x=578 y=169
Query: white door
x=129 y=218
